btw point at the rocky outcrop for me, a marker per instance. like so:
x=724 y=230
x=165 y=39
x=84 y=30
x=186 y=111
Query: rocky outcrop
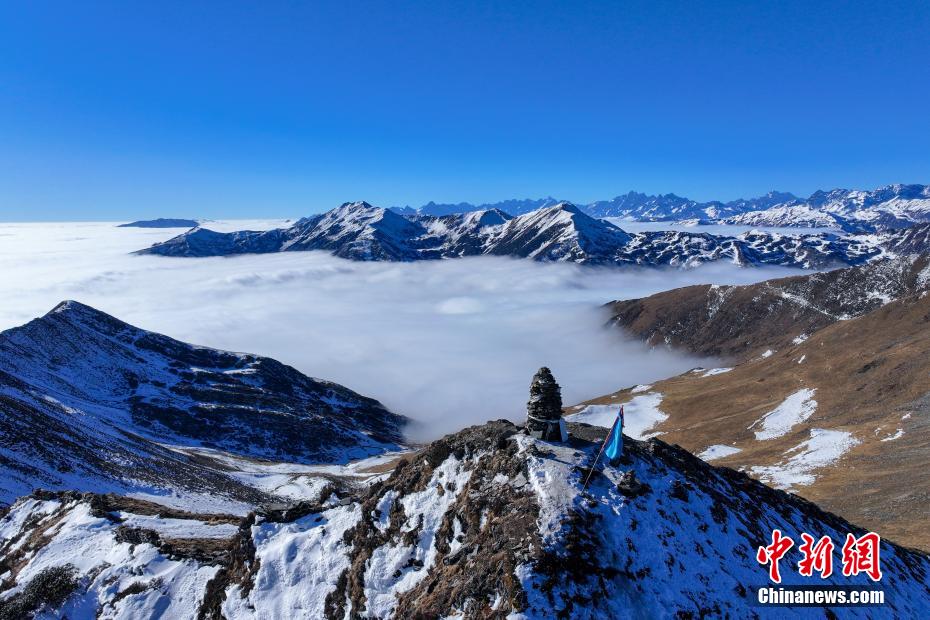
x=484 y=523
x=544 y=409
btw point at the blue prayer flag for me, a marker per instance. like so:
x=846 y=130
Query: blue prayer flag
x=615 y=444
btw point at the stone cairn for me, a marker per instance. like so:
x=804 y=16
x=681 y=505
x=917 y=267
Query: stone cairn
x=544 y=409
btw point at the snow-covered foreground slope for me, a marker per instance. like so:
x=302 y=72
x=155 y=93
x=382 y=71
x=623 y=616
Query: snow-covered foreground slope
x=96 y=556
x=559 y=233
x=483 y=523
x=91 y=403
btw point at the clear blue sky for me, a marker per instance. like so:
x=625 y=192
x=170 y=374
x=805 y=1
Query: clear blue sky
x=114 y=110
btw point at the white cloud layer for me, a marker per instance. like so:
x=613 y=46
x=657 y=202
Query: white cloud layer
x=448 y=343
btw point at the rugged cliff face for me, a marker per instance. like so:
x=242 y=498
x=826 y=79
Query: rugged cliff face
x=487 y=522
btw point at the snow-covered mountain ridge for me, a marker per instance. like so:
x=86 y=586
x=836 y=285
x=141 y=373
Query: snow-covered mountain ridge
x=89 y=402
x=563 y=233
x=484 y=523
x=891 y=206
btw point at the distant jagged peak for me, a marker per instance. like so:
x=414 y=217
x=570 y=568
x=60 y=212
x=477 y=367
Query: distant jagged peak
x=357 y=205
x=780 y=195
x=361 y=210
x=361 y=213
x=569 y=219
x=358 y=209
x=486 y=217
x=772 y=198
x=512 y=207
x=563 y=205
x=563 y=211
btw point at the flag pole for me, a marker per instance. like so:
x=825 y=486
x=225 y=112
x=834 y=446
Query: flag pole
x=597 y=458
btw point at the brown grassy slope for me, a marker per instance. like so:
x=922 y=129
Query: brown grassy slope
x=740 y=322
x=868 y=373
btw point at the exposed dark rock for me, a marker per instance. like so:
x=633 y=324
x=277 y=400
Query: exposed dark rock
x=241 y=566
x=45 y=592
x=498 y=532
x=544 y=409
x=630 y=486
x=137 y=536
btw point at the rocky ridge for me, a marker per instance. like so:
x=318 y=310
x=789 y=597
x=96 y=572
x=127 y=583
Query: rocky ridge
x=738 y=322
x=89 y=402
x=484 y=523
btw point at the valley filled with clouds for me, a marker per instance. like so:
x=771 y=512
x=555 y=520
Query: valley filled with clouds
x=448 y=343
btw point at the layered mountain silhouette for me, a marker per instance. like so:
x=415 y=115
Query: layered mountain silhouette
x=892 y=206
x=560 y=233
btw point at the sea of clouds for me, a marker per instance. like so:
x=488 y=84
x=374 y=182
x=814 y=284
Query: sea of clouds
x=448 y=343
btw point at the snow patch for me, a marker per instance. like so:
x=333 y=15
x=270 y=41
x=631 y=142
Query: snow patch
x=298 y=566
x=170 y=588
x=898 y=434
x=390 y=571
x=640 y=415
x=384 y=510
x=824 y=448
x=717 y=451
x=793 y=410
x=551 y=481
x=180 y=528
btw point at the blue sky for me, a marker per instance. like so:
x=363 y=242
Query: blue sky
x=115 y=110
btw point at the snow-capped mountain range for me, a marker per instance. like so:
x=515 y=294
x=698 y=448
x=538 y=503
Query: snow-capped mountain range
x=510 y=207
x=484 y=523
x=89 y=402
x=892 y=206
x=559 y=233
